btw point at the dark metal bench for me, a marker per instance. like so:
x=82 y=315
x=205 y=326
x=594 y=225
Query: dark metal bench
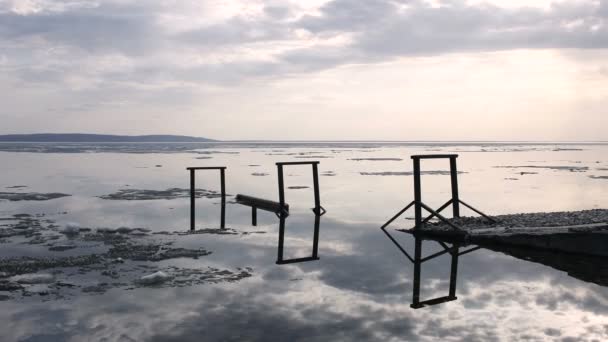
x=262 y=204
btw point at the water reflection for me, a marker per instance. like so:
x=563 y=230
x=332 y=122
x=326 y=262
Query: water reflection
x=418 y=260
x=360 y=290
x=315 y=243
x=590 y=269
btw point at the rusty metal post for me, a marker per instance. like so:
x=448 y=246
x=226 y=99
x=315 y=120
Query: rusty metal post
x=223 y=191
x=192 y=200
x=315 y=180
x=281 y=188
x=315 y=241
x=417 y=264
x=455 y=196
x=281 y=238
x=454 y=272
x=417 y=194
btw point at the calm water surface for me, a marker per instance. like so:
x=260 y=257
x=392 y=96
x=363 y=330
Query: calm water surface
x=360 y=289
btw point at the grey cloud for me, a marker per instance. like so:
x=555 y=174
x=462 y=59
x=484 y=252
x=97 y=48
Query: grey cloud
x=236 y=31
x=349 y=15
x=129 y=29
x=377 y=30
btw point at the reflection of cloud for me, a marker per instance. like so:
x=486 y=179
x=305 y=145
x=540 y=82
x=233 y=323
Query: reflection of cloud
x=359 y=294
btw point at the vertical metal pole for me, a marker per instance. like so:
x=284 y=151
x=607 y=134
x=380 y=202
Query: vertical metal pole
x=417 y=264
x=455 y=198
x=315 y=241
x=281 y=188
x=454 y=273
x=223 y=191
x=254 y=216
x=417 y=194
x=281 y=238
x=192 y=199
x=315 y=179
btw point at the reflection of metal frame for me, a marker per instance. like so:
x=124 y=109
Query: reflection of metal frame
x=318 y=209
x=315 y=243
x=418 y=260
x=193 y=193
x=418 y=205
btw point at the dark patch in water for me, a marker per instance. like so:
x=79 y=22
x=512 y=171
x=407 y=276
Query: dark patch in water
x=556 y=168
x=259 y=174
x=313 y=157
x=408 y=173
x=30 y=196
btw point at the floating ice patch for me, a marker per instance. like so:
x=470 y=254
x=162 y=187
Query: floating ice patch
x=30 y=196
x=408 y=173
x=154 y=278
x=173 y=193
x=33 y=278
x=555 y=168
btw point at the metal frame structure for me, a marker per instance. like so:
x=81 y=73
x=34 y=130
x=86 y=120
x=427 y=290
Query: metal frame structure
x=418 y=205
x=193 y=193
x=281 y=209
x=318 y=209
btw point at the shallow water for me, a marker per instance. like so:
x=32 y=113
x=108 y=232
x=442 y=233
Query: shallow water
x=360 y=289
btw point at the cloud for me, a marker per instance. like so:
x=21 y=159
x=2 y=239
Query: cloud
x=278 y=40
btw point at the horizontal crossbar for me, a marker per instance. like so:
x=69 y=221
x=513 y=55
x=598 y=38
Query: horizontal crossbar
x=434 y=156
x=293 y=261
x=434 y=301
x=299 y=163
x=206 y=168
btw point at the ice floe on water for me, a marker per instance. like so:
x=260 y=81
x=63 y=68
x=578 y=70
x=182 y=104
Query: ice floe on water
x=555 y=168
x=121 y=255
x=408 y=173
x=30 y=196
x=33 y=278
x=155 y=278
x=172 y=193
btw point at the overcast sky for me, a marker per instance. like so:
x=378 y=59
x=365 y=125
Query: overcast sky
x=309 y=69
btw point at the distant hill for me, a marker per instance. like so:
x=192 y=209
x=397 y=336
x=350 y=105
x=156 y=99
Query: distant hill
x=77 y=137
